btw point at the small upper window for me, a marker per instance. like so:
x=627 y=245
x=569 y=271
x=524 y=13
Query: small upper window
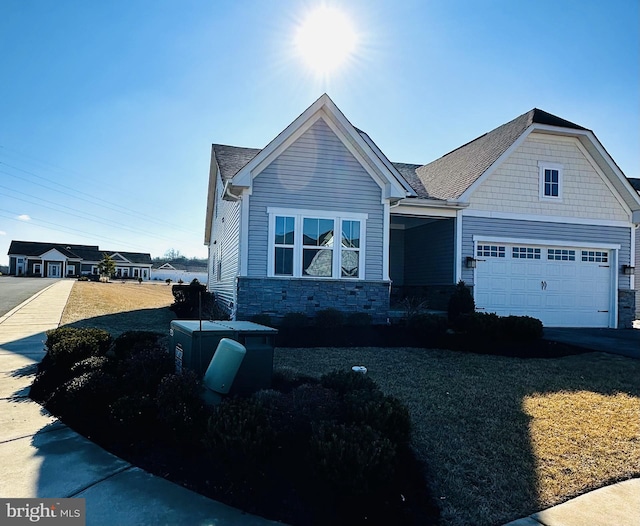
x=550 y=181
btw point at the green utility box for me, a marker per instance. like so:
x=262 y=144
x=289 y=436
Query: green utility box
x=194 y=343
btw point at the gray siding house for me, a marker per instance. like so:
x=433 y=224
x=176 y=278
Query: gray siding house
x=534 y=216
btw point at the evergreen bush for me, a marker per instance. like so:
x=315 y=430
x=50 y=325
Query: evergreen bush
x=461 y=302
x=329 y=318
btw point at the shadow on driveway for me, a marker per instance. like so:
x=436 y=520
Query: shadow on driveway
x=625 y=342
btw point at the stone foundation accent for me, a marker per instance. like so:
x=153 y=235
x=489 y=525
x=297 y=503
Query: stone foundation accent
x=626 y=308
x=277 y=296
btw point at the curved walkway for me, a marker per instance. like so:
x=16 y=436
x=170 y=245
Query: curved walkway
x=41 y=457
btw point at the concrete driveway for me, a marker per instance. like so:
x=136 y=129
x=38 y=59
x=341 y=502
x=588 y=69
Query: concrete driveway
x=13 y=291
x=618 y=341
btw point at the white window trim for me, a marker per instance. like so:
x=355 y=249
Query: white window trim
x=39 y=267
x=298 y=215
x=544 y=165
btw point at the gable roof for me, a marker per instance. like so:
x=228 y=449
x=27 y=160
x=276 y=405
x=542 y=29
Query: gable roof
x=451 y=175
x=238 y=166
x=361 y=147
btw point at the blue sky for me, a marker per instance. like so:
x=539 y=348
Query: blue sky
x=108 y=109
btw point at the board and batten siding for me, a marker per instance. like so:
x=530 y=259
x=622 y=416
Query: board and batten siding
x=317 y=172
x=514 y=186
x=544 y=231
x=224 y=248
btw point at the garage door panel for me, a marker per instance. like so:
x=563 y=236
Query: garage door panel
x=556 y=285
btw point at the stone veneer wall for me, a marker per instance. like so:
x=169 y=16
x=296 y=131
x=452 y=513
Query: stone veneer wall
x=277 y=296
x=626 y=308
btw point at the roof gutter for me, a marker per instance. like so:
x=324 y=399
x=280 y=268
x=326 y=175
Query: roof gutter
x=433 y=203
x=226 y=192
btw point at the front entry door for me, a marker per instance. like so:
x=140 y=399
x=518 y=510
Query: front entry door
x=54 y=270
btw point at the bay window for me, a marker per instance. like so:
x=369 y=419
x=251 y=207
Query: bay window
x=316 y=244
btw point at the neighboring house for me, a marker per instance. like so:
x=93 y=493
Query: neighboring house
x=57 y=260
x=180 y=270
x=636 y=185
x=534 y=216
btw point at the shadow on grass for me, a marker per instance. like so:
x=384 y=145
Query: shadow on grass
x=155 y=320
x=470 y=423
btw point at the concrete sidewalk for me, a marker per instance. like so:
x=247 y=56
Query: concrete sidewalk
x=616 y=505
x=41 y=457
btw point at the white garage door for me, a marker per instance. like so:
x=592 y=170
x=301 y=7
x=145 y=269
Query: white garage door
x=561 y=286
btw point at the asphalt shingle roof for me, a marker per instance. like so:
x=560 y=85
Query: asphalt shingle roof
x=451 y=175
x=445 y=178
x=232 y=158
x=84 y=252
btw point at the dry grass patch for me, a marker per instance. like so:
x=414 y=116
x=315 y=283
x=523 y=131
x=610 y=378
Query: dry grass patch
x=581 y=439
x=118 y=307
x=480 y=422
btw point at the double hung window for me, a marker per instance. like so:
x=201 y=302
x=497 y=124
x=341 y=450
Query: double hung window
x=316 y=244
x=550 y=181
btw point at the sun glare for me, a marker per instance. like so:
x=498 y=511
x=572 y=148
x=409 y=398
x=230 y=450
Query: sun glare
x=325 y=40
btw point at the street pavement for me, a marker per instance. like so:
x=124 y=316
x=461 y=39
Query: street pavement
x=14 y=291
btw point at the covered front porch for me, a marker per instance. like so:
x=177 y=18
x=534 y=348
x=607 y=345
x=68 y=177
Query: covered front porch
x=422 y=261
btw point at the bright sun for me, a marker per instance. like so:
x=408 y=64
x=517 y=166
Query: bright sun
x=325 y=40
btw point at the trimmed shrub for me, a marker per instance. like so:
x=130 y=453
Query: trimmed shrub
x=285 y=379
x=359 y=319
x=385 y=414
x=345 y=382
x=87 y=394
x=143 y=371
x=178 y=402
x=294 y=319
x=133 y=415
x=68 y=345
x=240 y=434
x=481 y=325
x=521 y=328
x=132 y=342
x=428 y=326
x=93 y=363
x=461 y=302
x=189 y=300
x=353 y=460
x=329 y=318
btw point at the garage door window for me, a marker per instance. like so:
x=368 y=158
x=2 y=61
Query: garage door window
x=525 y=253
x=561 y=254
x=491 y=251
x=595 y=256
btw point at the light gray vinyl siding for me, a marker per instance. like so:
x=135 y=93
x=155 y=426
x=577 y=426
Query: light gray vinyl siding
x=224 y=250
x=429 y=252
x=316 y=172
x=574 y=233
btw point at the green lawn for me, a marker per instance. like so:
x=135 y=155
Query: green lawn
x=505 y=437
